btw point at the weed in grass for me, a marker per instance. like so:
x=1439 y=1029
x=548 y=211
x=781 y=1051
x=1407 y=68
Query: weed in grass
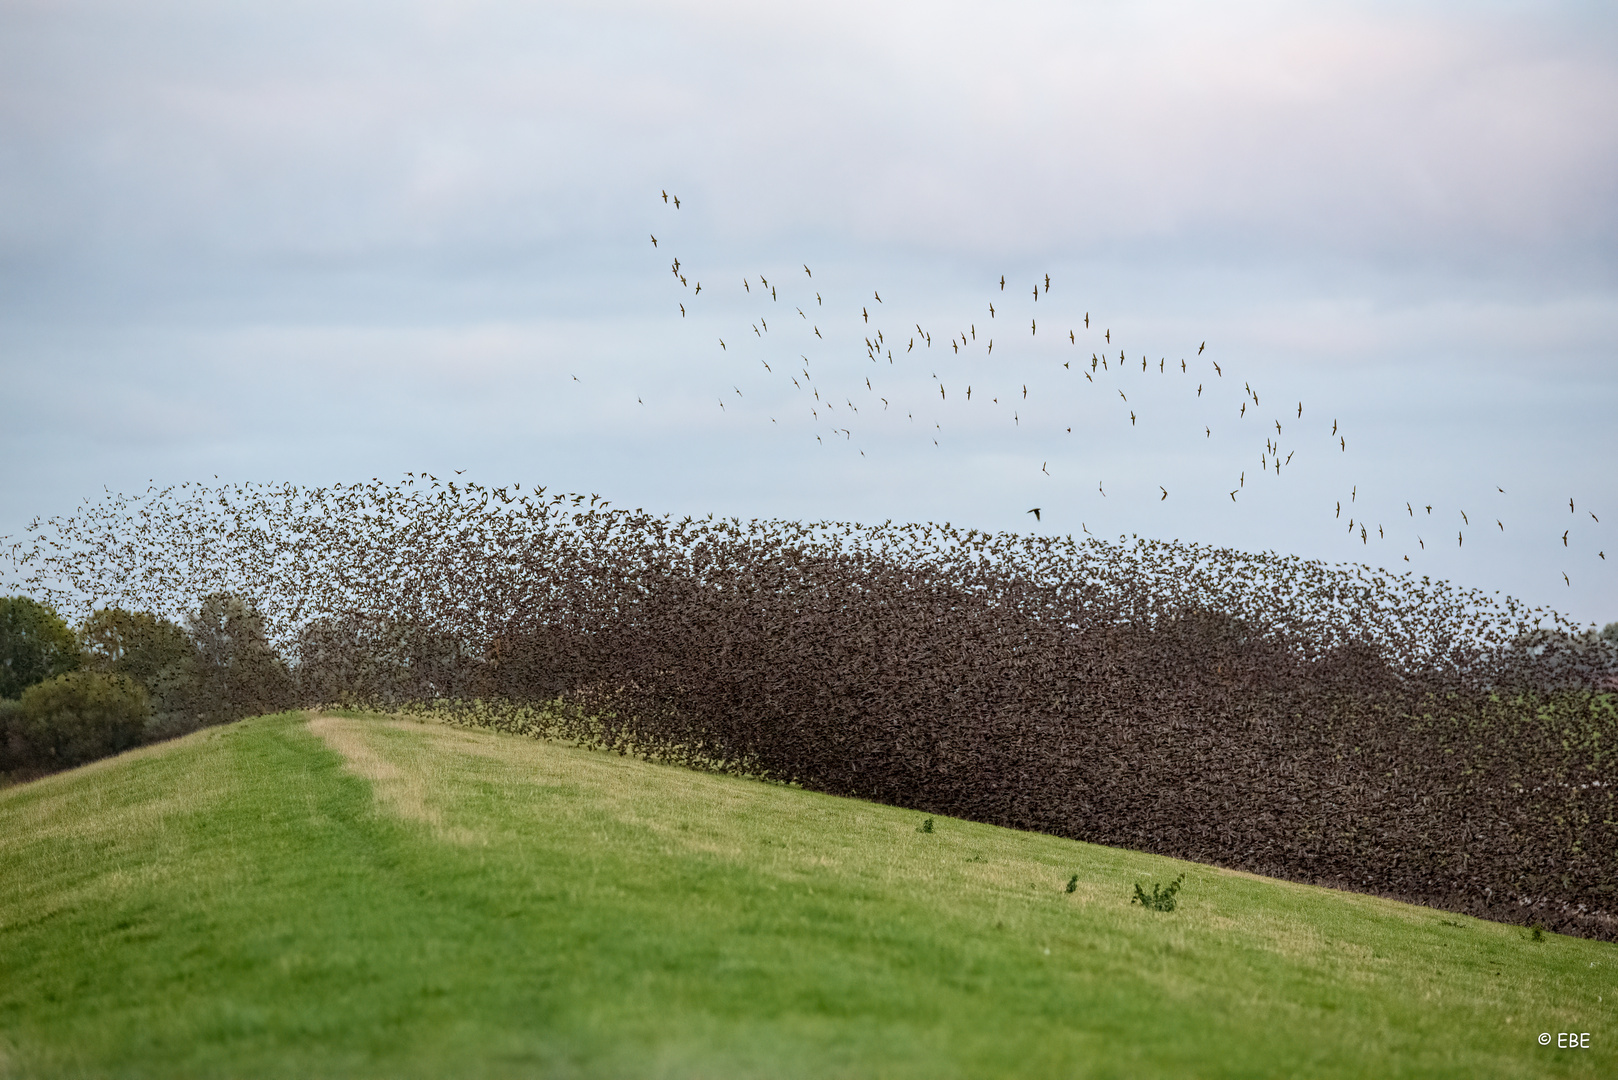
x=926 y=826
x=1073 y=883
x=1162 y=898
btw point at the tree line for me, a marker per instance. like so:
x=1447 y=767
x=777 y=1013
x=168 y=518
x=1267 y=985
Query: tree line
x=121 y=679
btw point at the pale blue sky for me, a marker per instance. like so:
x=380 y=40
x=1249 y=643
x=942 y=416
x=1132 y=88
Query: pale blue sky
x=334 y=241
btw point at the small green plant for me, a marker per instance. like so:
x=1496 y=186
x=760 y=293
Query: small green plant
x=1162 y=898
x=1537 y=932
x=1073 y=883
x=926 y=826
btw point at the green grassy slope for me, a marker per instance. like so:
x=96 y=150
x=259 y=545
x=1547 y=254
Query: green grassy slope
x=373 y=898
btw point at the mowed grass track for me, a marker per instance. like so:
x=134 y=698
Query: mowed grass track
x=352 y=897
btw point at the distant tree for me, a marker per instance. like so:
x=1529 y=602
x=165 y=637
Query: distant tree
x=35 y=644
x=74 y=718
x=1610 y=632
x=238 y=672
x=156 y=653
x=11 y=744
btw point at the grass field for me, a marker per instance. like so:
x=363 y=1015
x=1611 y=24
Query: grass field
x=354 y=897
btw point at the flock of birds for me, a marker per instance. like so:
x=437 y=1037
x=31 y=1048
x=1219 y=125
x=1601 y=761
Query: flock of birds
x=895 y=349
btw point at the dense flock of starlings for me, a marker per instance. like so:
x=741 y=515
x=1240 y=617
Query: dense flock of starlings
x=835 y=409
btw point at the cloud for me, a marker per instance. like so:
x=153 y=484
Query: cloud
x=316 y=239
x=1360 y=132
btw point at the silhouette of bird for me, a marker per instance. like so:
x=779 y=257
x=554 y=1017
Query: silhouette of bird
x=1035 y=512
x=1165 y=492
x=1204 y=345
x=654 y=241
x=1564 y=538
x=806 y=269
x=1002 y=283
x=676 y=202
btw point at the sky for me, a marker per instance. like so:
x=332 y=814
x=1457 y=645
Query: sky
x=336 y=241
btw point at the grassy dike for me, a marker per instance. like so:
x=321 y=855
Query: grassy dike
x=354 y=897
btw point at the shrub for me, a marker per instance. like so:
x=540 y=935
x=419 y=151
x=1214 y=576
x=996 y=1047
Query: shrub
x=1161 y=898
x=75 y=718
x=35 y=644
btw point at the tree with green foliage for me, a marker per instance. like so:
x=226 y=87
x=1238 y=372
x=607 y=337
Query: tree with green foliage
x=35 y=644
x=74 y=718
x=155 y=652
